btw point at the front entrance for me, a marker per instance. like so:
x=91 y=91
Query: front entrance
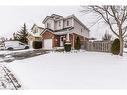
x=62 y=38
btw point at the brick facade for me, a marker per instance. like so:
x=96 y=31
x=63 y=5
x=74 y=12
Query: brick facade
x=56 y=38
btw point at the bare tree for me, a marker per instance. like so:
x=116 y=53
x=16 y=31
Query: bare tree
x=106 y=37
x=114 y=16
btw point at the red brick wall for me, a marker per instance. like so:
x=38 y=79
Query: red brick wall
x=47 y=35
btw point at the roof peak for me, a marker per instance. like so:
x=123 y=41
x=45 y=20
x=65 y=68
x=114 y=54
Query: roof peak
x=53 y=15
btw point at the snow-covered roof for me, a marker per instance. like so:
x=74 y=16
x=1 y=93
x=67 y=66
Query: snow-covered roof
x=35 y=34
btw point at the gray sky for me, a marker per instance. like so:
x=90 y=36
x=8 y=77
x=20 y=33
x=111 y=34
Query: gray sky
x=12 y=18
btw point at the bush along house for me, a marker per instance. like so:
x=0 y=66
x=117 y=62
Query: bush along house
x=59 y=29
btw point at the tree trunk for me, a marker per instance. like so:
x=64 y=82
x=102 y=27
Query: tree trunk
x=121 y=46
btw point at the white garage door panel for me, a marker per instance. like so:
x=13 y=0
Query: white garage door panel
x=48 y=44
x=31 y=44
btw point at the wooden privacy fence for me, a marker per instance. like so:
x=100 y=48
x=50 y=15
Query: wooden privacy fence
x=98 y=46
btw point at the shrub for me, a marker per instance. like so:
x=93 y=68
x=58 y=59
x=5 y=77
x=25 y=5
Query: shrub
x=78 y=44
x=115 y=49
x=37 y=44
x=67 y=47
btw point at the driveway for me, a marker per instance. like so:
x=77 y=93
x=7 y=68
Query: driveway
x=9 y=56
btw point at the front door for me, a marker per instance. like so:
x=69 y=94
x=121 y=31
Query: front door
x=61 y=41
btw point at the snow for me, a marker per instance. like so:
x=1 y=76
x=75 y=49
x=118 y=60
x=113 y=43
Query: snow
x=7 y=79
x=16 y=51
x=125 y=50
x=71 y=71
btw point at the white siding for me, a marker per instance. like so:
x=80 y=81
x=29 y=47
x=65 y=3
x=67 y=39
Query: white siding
x=77 y=29
x=70 y=22
x=36 y=31
x=51 y=23
x=57 y=26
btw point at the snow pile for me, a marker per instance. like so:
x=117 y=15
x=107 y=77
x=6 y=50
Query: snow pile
x=125 y=50
x=72 y=70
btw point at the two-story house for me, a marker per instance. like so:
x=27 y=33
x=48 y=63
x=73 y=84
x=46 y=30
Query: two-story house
x=59 y=29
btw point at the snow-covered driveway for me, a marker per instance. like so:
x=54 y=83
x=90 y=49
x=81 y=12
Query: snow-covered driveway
x=71 y=70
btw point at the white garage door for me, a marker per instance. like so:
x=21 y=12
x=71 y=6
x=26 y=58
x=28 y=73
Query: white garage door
x=48 y=44
x=31 y=44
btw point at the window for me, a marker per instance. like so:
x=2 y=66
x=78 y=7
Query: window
x=67 y=23
x=21 y=44
x=59 y=23
x=35 y=30
x=81 y=30
x=48 y=25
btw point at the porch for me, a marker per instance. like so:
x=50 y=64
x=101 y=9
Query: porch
x=59 y=40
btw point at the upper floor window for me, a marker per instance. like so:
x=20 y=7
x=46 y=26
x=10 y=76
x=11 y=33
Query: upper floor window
x=81 y=30
x=67 y=23
x=35 y=30
x=48 y=25
x=59 y=23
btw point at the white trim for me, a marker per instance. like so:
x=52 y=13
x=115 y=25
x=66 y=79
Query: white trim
x=61 y=45
x=45 y=31
x=73 y=40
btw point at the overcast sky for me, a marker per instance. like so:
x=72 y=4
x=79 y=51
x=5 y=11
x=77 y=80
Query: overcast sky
x=12 y=18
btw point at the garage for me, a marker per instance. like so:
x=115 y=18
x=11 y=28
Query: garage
x=47 y=43
x=31 y=44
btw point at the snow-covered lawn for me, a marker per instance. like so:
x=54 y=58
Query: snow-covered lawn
x=71 y=70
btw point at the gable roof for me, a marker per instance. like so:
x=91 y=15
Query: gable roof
x=37 y=27
x=51 y=17
x=71 y=16
x=56 y=31
x=33 y=26
x=50 y=30
x=47 y=17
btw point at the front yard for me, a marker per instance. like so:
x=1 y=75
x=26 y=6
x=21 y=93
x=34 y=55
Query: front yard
x=71 y=70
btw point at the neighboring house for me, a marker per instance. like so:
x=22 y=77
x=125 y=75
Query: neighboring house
x=2 y=39
x=59 y=30
x=34 y=35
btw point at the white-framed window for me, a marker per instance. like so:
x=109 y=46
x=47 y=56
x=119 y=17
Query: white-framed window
x=67 y=23
x=35 y=30
x=48 y=25
x=81 y=30
x=59 y=23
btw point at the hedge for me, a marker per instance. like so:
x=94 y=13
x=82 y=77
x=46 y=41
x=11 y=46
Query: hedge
x=37 y=44
x=115 y=49
x=78 y=44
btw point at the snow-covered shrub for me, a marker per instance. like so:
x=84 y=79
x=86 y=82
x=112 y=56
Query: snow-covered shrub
x=37 y=44
x=78 y=44
x=67 y=47
x=59 y=50
x=115 y=49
